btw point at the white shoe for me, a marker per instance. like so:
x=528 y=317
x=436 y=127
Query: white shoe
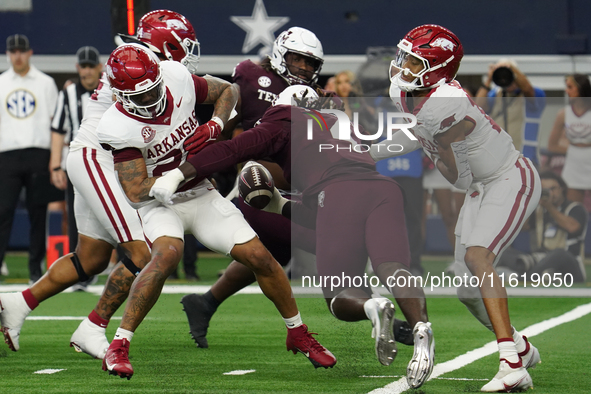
x=530 y=357
x=381 y=313
x=90 y=339
x=13 y=312
x=421 y=365
x=508 y=379
x=4 y=269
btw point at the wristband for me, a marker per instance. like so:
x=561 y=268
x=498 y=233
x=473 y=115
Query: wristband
x=56 y=169
x=218 y=121
x=485 y=87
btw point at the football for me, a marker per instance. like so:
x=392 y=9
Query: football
x=256 y=185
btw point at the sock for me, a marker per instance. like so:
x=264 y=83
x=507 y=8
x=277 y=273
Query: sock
x=293 y=322
x=211 y=300
x=123 y=334
x=30 y=299
x=96 y=319
x=520 y=344
x=508 y=351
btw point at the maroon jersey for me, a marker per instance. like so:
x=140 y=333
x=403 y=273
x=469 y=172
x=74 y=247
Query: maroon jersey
x=282 y=136
x=258 y=88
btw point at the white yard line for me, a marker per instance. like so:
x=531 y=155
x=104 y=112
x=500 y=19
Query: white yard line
x=401 y=385
x=579 y=292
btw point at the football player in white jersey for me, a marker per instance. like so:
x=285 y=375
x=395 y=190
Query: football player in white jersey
x=147 y=131
x=472 y=152
x=103 y=216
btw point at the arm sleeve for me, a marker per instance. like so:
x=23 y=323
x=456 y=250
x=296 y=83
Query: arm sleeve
x=201 y=89
x=127 y=154
x=254 y=144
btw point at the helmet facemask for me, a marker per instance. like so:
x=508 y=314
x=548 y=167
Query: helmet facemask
x=135 y=102
x=191 y=60
x=295 y=79
x=397 y=70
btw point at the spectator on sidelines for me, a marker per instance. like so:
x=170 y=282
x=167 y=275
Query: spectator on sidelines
x=27 y=103
x=557 y=235
x=574 y=122
x=514 y=104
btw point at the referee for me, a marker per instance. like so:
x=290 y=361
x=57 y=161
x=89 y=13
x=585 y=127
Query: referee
x=69 y=111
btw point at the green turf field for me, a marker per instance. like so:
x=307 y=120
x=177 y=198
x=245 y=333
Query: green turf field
x=248 y=334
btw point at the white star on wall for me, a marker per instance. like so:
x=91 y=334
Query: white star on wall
x=259 y=27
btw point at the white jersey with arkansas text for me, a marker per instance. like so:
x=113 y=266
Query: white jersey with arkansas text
x=490 y=149
x=161 y=140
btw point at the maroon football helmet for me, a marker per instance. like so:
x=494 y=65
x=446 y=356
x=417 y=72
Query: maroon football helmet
x=135 y=79
x=171 y=35
x=437 y=48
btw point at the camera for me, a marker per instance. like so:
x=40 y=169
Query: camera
x=503 y=77
x=545 y=192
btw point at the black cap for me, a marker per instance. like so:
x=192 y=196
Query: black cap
x=88 y=55
x=17 y=41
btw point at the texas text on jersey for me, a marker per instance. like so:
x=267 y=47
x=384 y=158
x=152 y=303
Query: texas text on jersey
x=258 y=89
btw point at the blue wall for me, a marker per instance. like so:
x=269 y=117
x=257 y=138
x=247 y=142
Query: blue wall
x=492 y=27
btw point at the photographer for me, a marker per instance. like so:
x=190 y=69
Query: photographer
x=557 y=235
x=514 y=104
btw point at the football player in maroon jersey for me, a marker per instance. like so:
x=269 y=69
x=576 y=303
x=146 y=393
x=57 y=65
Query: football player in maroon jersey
x=356 y=213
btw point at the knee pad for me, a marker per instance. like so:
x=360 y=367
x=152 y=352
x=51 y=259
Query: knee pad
x=130 y=265
x=82 y=276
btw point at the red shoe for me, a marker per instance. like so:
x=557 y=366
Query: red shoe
x=116 y=360
x=299 y=339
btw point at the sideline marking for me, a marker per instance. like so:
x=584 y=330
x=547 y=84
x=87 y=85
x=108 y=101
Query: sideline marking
x=240 y=372
x=48 y=371
x=577 y=292
x=401 y=385
x=63 y=318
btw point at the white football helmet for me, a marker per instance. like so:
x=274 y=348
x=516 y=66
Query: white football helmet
x=296 y=92
x=301 y=41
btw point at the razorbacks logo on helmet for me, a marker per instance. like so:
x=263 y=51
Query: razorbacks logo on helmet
x=443 y=43
x=175 y=24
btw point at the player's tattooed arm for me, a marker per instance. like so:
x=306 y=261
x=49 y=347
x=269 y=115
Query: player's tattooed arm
x=223 y=95
x=133 y=177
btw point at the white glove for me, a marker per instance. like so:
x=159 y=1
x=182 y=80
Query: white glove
x=166 y=185
x=277 y=202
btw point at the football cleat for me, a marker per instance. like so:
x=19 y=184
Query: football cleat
x=403 y=332
x=90 y=339
x=13 y=312
x=381 y=313
x=421 y=365
x=199 y=314
x=530 y=357
x=299 y=339
x=116 y=360
x=510 y=378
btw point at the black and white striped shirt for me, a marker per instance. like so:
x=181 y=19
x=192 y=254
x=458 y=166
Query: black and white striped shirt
x=69 y=111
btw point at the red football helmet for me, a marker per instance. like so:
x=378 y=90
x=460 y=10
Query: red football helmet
x=170 y=34
x=437 y=48
x=135 y=78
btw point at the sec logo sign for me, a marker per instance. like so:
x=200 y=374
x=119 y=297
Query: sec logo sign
x=264 y=81
x=20 y=104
